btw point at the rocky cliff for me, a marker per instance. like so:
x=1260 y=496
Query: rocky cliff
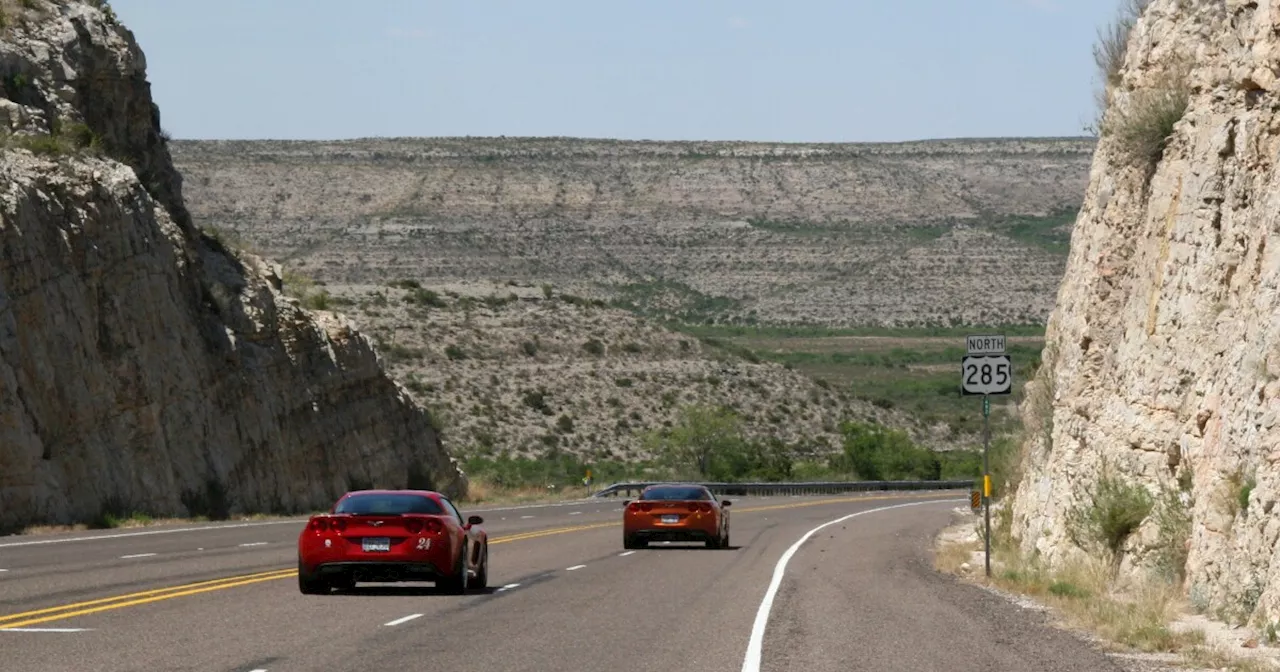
x=1162 y=360
x=143 y=367
x=833 y=234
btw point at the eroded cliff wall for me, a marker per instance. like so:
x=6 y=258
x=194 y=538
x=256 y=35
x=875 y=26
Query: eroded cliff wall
x=142 y=366
x=1163 y=353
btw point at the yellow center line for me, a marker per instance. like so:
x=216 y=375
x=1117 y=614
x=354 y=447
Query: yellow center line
x=274 y=574
x=29 y=618
x=145 y=600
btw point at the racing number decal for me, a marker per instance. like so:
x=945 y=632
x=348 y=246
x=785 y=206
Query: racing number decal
x=424 y=543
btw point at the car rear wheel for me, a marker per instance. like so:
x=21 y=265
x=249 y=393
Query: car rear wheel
x=309 y=584
x=456 y=584
x=481 y=580
x=630 y=541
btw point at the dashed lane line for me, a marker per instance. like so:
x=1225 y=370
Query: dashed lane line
x=62 y=612
x=406 y=619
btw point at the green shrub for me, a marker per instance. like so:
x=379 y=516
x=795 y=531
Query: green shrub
x=1111 y=510
x=1173 y=519
x=1142 y=129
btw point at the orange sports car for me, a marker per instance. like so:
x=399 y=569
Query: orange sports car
x=675 y=512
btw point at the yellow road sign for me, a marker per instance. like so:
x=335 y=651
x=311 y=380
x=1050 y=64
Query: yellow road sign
x=975 y=500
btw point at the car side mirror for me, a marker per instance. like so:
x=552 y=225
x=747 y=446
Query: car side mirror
x=475 y=520
x=625 y=502
x=725 y=502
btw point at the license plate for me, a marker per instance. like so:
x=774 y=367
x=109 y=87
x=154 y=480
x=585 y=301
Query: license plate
x=670 y=520
x=376 y=544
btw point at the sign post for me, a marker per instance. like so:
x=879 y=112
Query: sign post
x=986 y=370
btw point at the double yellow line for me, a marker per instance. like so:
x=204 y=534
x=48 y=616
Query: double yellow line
x=29 y=618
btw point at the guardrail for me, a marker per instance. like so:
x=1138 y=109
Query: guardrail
x=812 y=488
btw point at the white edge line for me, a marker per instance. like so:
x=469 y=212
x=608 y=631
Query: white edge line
x=136 y=555
x=570 y=569
x=509 y=586
x=623 y=555
x=406 y=619
x=3 y=570
x=45 y=629
x=255 y=543
x=575 y=513
x=751 y=663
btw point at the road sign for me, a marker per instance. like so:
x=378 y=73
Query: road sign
x=984 y=345
x=986 y=374
x=975 y=500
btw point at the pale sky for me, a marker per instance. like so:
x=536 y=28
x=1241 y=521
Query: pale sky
x=783 y=71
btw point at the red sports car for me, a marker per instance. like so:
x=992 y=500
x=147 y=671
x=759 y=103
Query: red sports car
x=675 y=512
x=386 y=536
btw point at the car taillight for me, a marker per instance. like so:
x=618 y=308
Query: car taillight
x=699 y=506
x=433 y=526
x=339 y=524
x=646 y=507
x=413 y=526
x=319 y=524
x=633 y=507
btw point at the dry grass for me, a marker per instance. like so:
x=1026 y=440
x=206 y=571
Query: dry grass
x=1084 y=597
x=1216 y=658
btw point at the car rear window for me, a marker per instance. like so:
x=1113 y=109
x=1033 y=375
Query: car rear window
x=676 y=493
x=388 y=504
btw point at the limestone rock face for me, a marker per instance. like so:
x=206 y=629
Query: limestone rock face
x=1163 y=351
x=144 y=367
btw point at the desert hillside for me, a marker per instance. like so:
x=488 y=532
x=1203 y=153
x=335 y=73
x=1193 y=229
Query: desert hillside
x=143 y=367
x=527 y=371
x=1153 y=424
x=924 y=233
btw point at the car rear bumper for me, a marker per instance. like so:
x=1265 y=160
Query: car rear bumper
x=385 y=571
x=672 y=534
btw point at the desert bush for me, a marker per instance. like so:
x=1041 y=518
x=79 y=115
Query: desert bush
x=1142 y=128
x=1111 y=510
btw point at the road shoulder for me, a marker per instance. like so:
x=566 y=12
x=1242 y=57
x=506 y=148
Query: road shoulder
x=1166 y=638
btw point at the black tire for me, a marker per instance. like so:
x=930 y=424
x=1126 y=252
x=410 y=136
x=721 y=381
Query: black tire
x=457 y=583
x=631 y=542
x=481 y=580
x=309 y=584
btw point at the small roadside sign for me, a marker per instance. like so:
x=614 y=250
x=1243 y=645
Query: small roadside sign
x=986 y=374
x=975 y=501
x=984 y=345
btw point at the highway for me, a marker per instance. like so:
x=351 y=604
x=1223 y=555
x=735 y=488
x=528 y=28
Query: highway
x=858 y=594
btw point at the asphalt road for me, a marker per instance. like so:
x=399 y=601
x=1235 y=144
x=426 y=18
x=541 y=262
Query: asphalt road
x=860 y=594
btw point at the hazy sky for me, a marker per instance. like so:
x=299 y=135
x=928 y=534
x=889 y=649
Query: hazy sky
x=779 y=70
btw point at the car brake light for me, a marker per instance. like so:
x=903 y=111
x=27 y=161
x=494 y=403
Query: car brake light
x=339 y=524
x=434 y=526
x=319 y=524
x=646 y=507
x=706 y=507
x=633 y=507
x=413 y=526
x=693 y=506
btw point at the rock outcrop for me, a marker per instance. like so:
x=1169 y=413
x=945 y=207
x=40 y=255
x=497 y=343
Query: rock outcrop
x=144 y=367
x=1162 y=357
